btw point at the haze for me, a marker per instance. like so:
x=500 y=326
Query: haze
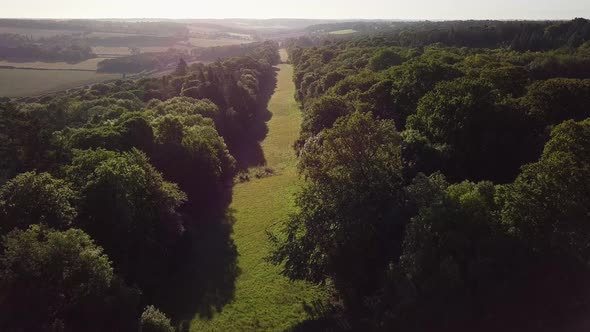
x=334 y=9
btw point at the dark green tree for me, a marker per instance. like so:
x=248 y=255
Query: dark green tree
x=153 y=320
x=48 y=278
x=36 y=198
x=181 y=68
x=129 y=209
x=548 y=206
x=348 y=222
x=384 y=59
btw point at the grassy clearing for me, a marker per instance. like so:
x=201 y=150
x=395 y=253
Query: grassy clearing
x=265 y=300
x=27 y=82
x=342 y=32
x=89 y=64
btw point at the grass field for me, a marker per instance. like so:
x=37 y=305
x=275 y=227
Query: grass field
x=265 y=300
x=342 y=32
x=27 y=82
x=89 y=64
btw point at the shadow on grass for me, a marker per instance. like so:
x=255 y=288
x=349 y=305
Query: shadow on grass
x=204 y=272
x=201 y=275
x=321 y=317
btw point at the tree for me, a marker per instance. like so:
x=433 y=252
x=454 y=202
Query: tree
x=36 y=198
x=548 y=206
x=384 y=59
x=348 y=222
x=153 y=320
x=128 y=209
x=485 y=139
x=169 y=130
x=181 y=68
x=414 y=79
x=509 y=79
x=323 y=112
x=553 y=101
x=455 y=249
x=48 y=277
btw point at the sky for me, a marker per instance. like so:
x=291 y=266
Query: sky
x=329 y=9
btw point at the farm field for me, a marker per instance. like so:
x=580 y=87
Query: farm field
x=27 y=82
x=342 y=32
x=204 y=42
x=119 y=51
x=265 y=300
x=89 y=65
x=107 y=51
x=35 y=33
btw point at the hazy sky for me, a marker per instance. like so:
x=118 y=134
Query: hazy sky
x=340 y=9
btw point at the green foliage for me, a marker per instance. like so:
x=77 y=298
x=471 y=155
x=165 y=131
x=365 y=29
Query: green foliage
x=36 y=198
x=466 y=116
x=50 y=277
x=455 y=242
x=548 y=204
x=509 y=79
x=128 y=208
x=413 y=80
x=399 y=245
x=350 y=202
x=384 y=59
x=169 y=130
x=113 y=151
x=553 y=101
x=322 y=113
x=153 y=320
x=181 y=68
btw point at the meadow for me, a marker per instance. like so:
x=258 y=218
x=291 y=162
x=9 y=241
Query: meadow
x=26 y=82
x=264 y=299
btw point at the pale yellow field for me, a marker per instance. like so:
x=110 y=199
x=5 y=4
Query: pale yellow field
x=241 y=35
x=342 y=32
x=202 y=42
x=111 y=51
x=27 y=82
x=99 y=34
x=89 y=64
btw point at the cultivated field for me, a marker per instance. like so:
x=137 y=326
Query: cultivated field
x=27 y=82
x=342 y=32
x=265 y=300
x=204 y=42
x=105 y=51
x=35 y=33
x=89 y=65
x=117 y=51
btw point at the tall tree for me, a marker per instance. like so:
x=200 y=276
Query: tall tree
x=348 y=224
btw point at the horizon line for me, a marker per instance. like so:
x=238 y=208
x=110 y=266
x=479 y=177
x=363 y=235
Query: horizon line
x=295 y=18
